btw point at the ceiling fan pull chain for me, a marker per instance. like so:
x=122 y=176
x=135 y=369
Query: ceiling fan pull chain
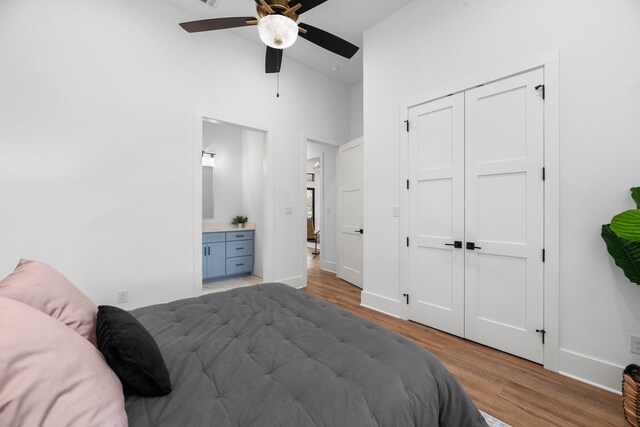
x=278 y=85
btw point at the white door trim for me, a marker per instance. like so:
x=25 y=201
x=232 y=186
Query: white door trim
x=268 y=200
x=549 y=61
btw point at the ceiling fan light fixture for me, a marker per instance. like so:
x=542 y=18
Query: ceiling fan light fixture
x=277 y=31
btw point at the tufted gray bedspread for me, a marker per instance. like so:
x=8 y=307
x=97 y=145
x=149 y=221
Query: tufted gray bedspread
x=269 y=355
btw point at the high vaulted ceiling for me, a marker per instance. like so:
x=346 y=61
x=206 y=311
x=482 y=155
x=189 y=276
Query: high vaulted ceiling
x=347 y=19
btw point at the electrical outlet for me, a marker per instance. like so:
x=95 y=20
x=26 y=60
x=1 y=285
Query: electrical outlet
x=634 y=344
x=288 y=210
x=123 y=296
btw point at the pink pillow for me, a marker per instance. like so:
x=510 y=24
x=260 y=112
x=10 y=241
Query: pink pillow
x=49 y=375
x=40 y=286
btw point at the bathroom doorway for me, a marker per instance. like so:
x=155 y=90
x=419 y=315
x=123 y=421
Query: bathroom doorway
x=232 y=181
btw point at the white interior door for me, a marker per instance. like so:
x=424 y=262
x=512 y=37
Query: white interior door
x=504 y=210
x=436 y=214
x=350 y=212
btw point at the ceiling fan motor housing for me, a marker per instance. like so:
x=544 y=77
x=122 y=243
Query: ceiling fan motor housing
x=278 y=6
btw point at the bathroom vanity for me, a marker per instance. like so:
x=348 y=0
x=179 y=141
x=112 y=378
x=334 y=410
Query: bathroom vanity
x=226 y=253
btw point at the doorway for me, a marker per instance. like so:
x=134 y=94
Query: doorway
x=320 y=199
x=232 y=178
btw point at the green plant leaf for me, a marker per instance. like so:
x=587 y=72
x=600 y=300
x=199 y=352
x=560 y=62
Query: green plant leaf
x=627 y=225
x=625 y=253
x=635 y=194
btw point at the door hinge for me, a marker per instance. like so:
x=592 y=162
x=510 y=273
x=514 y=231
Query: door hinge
x=541 y=88
x=407 y=184
x=544 y=255
x=407 y=242
x=406 y=297
x=543 y=332
x=544 y=173
x=407 y=123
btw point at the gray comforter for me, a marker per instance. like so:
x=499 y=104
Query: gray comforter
x=269 y=355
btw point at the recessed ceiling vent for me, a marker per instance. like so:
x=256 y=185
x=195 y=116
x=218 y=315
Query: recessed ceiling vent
x=211 y=3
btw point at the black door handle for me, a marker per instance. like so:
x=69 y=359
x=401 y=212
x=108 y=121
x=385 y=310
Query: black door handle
x=457 y=244
x=361 y=231
x=472 y=246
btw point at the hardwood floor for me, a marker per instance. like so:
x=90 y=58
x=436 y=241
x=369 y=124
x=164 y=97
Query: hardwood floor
x=518 y=392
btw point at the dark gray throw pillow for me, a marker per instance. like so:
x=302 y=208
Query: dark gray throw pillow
x=131 y=352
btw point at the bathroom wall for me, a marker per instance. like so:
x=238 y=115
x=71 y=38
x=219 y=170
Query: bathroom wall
x=252 y=191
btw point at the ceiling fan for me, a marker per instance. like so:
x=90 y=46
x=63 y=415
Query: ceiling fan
x=278 y=29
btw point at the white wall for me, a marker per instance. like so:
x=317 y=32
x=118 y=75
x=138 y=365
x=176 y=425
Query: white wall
x=226 y=142
x=357 y=110
x=447 y=41
x=327 y=181
x=252 y=190
x=96 y=139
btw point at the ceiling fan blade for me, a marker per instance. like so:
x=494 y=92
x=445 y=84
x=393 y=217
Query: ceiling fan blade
x=216 y=24
x=273 y=60
x=328 y=41
x=306 y=5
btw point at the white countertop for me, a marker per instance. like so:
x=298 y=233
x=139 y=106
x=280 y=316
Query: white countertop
x=212 y=228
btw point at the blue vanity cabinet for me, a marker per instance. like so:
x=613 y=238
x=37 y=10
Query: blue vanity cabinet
x=213 y=256
x=227 y=254
x=239 y=252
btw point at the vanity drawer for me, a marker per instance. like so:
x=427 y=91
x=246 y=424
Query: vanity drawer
x=239 y=235
x=212 y=237
x=239 y=248
x=239 y=265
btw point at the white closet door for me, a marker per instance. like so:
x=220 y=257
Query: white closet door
x=436 y=214
x=504 y=215
x=350 y=212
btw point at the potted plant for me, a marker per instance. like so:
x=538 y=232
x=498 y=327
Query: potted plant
x=239 y=221
x=622 y=237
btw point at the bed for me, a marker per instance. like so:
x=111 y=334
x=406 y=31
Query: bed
x=269 y=355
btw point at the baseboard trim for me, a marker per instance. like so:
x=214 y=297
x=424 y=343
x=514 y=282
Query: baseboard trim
x=379 y=303
x=331 y=267
x=295 y=282
x=589 y=370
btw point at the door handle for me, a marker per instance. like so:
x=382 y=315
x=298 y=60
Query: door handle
x=361 y=231
x=472 y=246
x=457 y=244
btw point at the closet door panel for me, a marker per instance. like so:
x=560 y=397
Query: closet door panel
x=504 y=208
x=436 y=214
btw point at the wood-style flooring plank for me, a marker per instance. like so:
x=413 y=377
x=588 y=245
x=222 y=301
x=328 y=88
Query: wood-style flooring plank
x=514 y=390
